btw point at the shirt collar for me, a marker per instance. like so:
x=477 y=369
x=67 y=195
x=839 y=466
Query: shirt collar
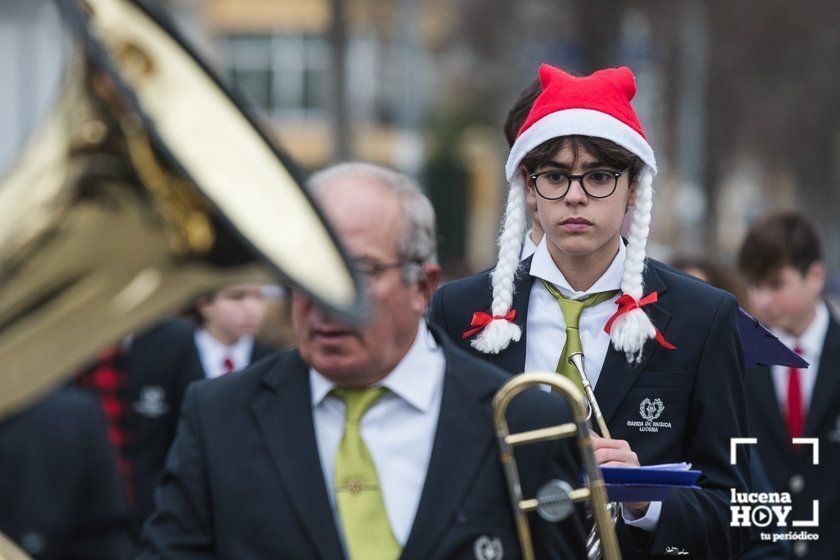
x=410 y=380
x=216 y=352
x=812 y=338
x=528 y=246
x=543 y=267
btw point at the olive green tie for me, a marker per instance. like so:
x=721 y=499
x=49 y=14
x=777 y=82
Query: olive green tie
x=572 y=308
x=367 y=532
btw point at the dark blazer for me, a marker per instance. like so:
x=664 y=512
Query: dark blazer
x=243 y=479
x=60 y=497
x=162 y=363
x=789 y=467
x=700 y=385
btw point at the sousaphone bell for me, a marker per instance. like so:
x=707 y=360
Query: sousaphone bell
x=146 y=187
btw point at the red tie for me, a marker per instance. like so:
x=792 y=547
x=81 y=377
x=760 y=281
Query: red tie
x=795 y=412
x=228 y=365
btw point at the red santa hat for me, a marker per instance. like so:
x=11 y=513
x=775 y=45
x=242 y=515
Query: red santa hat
x=596 y=105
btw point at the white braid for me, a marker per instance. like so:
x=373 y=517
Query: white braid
x=499 y=333
x=632 y=330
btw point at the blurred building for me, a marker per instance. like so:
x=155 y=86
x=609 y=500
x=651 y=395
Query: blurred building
x=279 y=55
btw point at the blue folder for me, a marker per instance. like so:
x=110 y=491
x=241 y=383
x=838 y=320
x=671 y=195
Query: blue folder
x=644 y=484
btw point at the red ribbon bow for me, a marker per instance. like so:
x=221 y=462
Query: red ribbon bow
x=626 y=303
x=480 y=319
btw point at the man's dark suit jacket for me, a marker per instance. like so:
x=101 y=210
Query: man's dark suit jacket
x=700 y=385
x=60 y=497
x=790 y=467
x=243 y=479
x=162 y=362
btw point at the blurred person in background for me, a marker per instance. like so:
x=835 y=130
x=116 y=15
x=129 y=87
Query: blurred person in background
x=156 y=351
x=222 y=342
x=60 y=496
x=515 y=119
x=721 y=276
x=715 y=273
x=781 y=259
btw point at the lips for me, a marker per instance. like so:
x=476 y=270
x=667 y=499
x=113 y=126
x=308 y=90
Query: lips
x=330 y=332
x=576 y=221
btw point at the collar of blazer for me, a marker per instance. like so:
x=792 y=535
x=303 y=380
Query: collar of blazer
x=617 y=375
x=464 y=440
x=826 y=393
x=824 y=399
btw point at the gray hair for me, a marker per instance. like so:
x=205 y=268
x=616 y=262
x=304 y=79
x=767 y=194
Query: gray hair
x=418 y=242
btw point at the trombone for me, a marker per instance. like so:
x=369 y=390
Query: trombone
x=555 y=500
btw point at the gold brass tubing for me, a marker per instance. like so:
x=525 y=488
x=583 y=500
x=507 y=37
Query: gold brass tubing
x=595 y=491
x=542 y=434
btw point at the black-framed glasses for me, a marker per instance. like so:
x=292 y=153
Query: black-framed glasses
x=375 y=269
x=554 y=184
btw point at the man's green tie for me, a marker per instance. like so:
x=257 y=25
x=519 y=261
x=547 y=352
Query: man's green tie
x=572 y=308
x=367 y=533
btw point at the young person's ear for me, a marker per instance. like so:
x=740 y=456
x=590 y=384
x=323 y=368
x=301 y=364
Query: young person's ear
x=631 y=199
x=530 y=189
x=815 y=278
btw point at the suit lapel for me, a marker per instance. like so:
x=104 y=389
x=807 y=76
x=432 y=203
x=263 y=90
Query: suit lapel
x=463 y=431
x=283 y=412
x=512 y=359
x=618 y=376
x=827 y=386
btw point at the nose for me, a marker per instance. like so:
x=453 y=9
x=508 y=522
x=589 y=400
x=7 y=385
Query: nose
x=576 y=195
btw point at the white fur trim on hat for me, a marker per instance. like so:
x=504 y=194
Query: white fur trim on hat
x=582 y=122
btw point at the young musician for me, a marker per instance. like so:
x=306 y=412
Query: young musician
x=661 y=349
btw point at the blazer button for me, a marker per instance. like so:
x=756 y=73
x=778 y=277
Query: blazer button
x=797 y=483
x=800 y=549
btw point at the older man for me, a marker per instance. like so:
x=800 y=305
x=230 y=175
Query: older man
x=368 y=443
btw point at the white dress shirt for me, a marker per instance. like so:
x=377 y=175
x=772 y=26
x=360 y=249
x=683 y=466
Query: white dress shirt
x=811 y=344
x=546 y=327
x=528 y=246
x=546 y=330
x=213 y=353
x=399 y=429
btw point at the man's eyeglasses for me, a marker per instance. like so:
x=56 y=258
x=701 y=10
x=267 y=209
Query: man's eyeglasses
x=375 y=269
x=554 y=184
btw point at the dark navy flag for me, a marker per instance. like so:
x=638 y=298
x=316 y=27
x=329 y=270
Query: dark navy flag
x=763 y=348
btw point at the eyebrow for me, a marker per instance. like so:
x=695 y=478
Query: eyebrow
x=586 y=166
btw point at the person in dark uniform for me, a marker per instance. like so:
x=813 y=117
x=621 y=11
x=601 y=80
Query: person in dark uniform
x=60 y=496
x=372 y=442
x=661 y=349
x=164 y=360
x=781 y=259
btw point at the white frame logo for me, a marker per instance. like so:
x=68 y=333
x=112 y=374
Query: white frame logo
x=763 y=509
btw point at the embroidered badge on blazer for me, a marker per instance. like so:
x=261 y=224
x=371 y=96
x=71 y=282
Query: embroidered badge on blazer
x=152 y=402
x=487 y=548
x=650 y=411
